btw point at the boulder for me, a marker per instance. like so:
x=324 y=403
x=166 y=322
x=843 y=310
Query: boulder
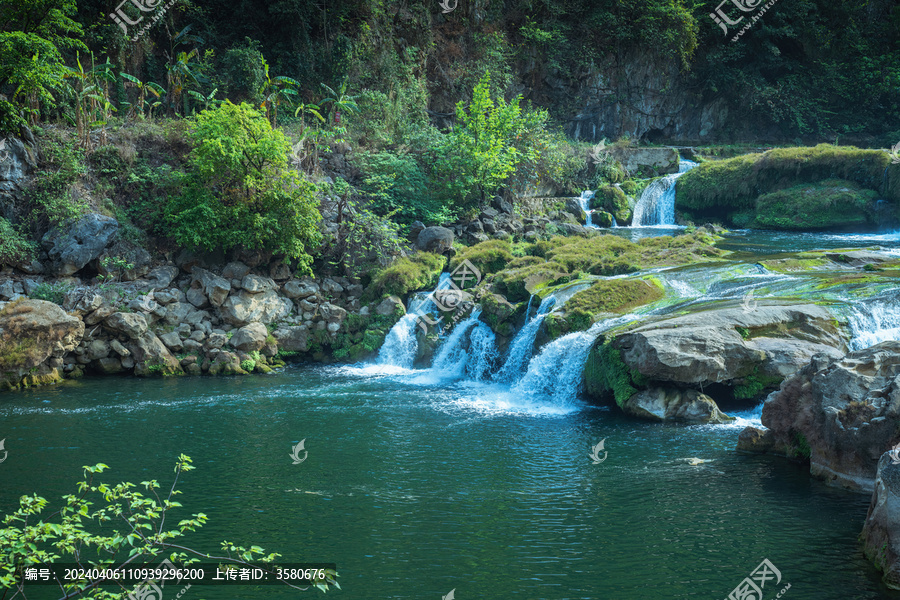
x=216 y=288
x=137 y=257
x=389 y=306
x=17 y=164
x=332 y=313
x=226 y=363
x=32 y=334
x=244 y=307
x=256 y=284
x=97 y=349
x=250 y=337
x=82 y=301
x=132 y=325
x=646 y=161
x=292 y=339
x=332 y=287
x=573 y=206
x=197 y=297
x=71 y=248
x=881 y=531
x=730 y=344
x=172 y=341
x=235 y=270
x=671 y=404
x=151 y=357
x=435 y=239
x=302 y=288
x=842 y=414
x=162 y=277
x=280 y=271
x=108 y=366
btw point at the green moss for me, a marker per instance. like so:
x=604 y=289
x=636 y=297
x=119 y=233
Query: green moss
x=488 y=257
x=745 y=333
x=616 y=296
x=613 y=200
x=800 y=447
x=832 y=203
x=601 y=218
x=606 y=374
x=419 y=272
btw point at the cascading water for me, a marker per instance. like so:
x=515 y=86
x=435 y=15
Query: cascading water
x=657 y=203
x=400 y=344
x=585 y=201
x=873 y=322
x=522 y=346
x=556 y=372
x=470 y=351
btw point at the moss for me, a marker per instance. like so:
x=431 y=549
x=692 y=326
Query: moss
x=800 y=446
x=613 y=200
x=727 y=189
x=518 y=283
x=419 y=272
x=606 y=374
x=744 y=332
x=601 y=218
x=616 y=296
x=488 y=257
x=832 y=203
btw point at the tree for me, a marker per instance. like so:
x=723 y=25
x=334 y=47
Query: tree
x=108 y=526
x=480 y=152
x=240 y=191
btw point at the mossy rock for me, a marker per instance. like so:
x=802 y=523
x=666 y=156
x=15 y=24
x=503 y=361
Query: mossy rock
x=405 y=275
x=613 y=200
x=607 y=296
x=606 y=376
x=488 y=257
x=830 y=204
x=601 y=218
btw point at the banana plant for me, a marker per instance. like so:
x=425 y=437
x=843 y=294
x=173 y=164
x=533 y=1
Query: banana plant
x=308 y=109
x=205 y=101
x=179 y=76
x=88 y=97
x=275 y=91
x=339 y=101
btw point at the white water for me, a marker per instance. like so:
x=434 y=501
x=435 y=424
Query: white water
x=400 y=345
x=657 y=204
x=585 y=201
x=522 y=346
x=873 y=322
x=469 y=352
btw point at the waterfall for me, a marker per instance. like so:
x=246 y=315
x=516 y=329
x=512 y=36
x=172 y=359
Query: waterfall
x=585 y=201
x=556 y=372
x=522 y=346
x=470 y=350
x=872 y=323
x=400 y=345
x=657 y=203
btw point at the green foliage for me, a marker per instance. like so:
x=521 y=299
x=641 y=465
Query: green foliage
x=242 y=73
x=148 y=190
x=397 y=184
x=248 y=365
x=240 y=191
x=107 y=526
x=51 y=292
x=800 y=448
x=49 y=200
x=15 y=248
x=606 y=374
x=418 y=272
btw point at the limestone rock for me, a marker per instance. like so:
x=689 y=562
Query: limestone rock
x=671 y=404
x=389 y=305
x=152 y=357
x=300 y=289
x=756 y=440
x=162 y=277
x=245 y=307
x=292 y=339
x=216 y=288
x=132 y=325
x=172 y=340
x=256 y=284
x=226 y=363
x=881 y=532
x=250 y=337
x=71 y=248
x=235 y=270
x=435 y=239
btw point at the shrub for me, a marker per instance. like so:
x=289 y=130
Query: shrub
x=240 y=191
x=49 y=199
x=15 y=248
x=397 y=184
x=248 y=365
x=51 y=292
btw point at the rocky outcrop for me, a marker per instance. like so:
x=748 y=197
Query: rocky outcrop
x=246 y=307
x=881 y=532
x=842 y=414
x=71 y=248
x=34 y=336
x=435 y=239
x=647 y=161
x=669 y=404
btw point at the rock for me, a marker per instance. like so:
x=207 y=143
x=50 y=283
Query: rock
x=292 y=339
x=300 y=289
x=132 y=325
x=728 y=344
x=17 y=165
x=97 y=349
x=881 y=531
x=197 y=297
x=755 y=440
x=415 y=229
x=389 y=306
x=152 y=357
x=166 y=296
x=250 y=337
x=99 y=315
x=646 y=161
x=137 y=257
x=280 y=271
x=226 y=363
x=216 y=288
x=172 y=341
x=31 y=333
x=197 y=336
x=842 y=414
x=332 y=313
x=332 y=287
x=216 y=340
x=184 y=331
x=502 y=205
x=256 y=284
x=572 y=229
x=71 y=248
x=108 y=366
x=162 y=277
x=573 y=206
x=245 y=307
x=671 y=404
x=333 y=327
x=235 y=270
x=6 y=290
x=119 y=349
x=192 y=345
x=435 y=239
